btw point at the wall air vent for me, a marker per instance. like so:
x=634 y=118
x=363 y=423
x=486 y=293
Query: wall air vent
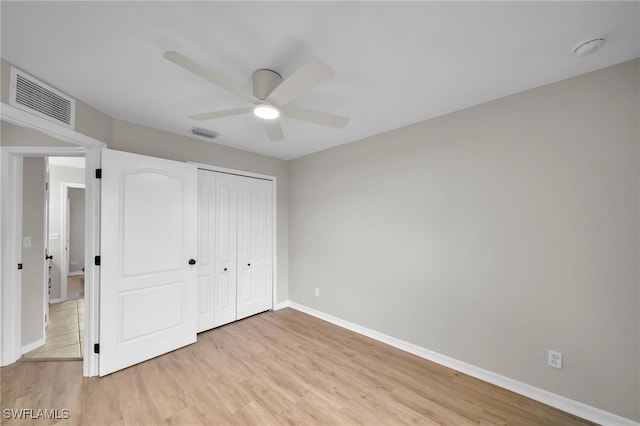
x=38 y=98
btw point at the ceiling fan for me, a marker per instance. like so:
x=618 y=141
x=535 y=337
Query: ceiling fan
x=271 y=94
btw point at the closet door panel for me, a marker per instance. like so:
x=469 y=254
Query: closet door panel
x=206 y=248
x=226 y=248
x=255 y=237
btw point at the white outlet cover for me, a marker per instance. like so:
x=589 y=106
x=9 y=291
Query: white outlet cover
x=555 y=359
x=26 y=242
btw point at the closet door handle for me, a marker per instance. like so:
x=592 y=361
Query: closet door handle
x=192 y=261
x=225 y=269
x=248 y=264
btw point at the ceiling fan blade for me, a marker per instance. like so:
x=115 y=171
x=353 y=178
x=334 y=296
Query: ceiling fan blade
x=316 y=117
x=274 y=130
x=188 y=64
x=219 y=114
x=308 y=76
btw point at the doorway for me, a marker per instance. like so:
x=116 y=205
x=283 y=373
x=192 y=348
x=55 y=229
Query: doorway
x=64 y=330
x=11 y=157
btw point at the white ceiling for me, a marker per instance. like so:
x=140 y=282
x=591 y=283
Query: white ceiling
x=395 y=63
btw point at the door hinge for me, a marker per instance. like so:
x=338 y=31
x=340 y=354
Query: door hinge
x=98 y=173
x=96 y=348
x=19 y=265
x=97 y=260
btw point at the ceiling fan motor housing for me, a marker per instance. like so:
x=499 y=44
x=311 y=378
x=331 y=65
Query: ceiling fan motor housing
x=264 y=81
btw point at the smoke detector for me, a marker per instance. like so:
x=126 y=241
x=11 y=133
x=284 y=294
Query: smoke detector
x=589 y=47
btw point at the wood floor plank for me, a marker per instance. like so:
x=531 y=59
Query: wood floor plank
x=276 y=368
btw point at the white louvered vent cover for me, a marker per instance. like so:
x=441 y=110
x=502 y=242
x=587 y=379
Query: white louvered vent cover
x=38 y=98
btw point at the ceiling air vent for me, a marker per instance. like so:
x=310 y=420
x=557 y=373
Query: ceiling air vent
x=204 y=132
x=38 y=98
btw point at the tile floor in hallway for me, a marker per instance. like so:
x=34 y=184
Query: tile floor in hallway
x=64 y=335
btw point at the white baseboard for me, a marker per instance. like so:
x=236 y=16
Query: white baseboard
x=560 y=402
x=54 y=301
x=33 y=345
x=281 y=305
x=75 y=273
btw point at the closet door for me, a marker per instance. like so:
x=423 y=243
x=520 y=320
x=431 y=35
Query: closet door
x=255 y=236
x=206 y=249
x=225 y=248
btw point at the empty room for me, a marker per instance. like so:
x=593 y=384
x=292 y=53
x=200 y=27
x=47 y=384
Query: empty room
x=320 y=213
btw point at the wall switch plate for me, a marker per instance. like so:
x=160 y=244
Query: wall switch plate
x=26 y=242
x=555 y=359
x=317 y=292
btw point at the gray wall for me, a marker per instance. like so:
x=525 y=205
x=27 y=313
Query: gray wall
x=76 y=230
x=490 y=235
x=33 y=268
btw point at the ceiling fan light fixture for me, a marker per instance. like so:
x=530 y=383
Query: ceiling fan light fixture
x=266 y=111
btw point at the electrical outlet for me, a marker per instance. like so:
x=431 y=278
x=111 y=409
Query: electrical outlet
x=26 y=242
x=555 y=359
x=317 y=292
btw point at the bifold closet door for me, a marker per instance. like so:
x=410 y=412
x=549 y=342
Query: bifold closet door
x=255 y=246
x=206 y=248
x=226 y=248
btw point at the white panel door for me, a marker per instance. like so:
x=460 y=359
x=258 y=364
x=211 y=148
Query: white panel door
x=206 y=249
x=255 y=236
x=226 y=248
x=148 y=240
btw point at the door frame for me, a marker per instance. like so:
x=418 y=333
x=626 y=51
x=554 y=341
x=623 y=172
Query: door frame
x=64 y=254
x=274 y=251
x=11 y=229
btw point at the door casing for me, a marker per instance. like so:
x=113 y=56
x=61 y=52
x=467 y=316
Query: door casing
x=11 y=230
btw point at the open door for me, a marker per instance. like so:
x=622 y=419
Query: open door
x=147 y=258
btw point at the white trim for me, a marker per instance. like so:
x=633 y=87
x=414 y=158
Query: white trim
x=10 y=257
x=64 y=253
x=281 y=305
x=232 y=171
x=274 y=203
x=47 y=151
x=73 y=274
x=54 y=301
x=33 y=345
x=13 y=115
x=560 y=402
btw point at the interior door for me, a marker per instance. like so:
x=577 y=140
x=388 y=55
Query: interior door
x=47 y=256
x=255 y=236
x=147 y=258
x=226 y=248
x=206 y=248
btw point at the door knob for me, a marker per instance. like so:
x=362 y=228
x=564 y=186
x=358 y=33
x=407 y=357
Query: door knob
x=248 y=264
x=225 y=269
x=192 y=261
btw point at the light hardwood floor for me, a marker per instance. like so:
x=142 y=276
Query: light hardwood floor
x=275 y=368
